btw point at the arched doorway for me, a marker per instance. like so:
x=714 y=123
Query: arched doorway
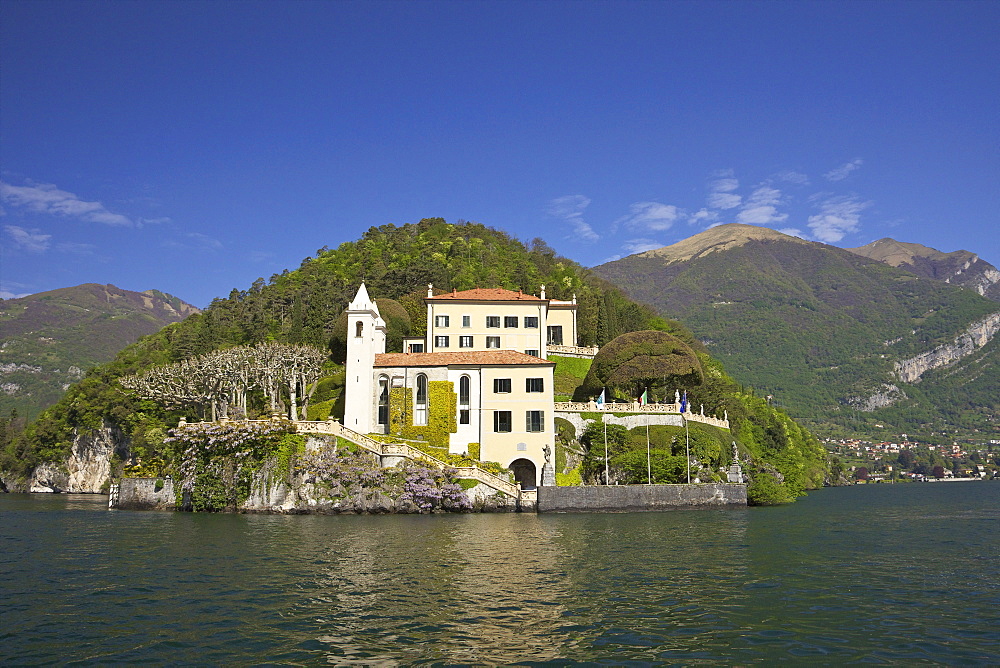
x=524 y=473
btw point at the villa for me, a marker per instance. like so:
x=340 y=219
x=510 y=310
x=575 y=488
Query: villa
x=478 y=383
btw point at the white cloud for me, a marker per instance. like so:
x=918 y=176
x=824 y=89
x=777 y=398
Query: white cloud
x=791 y=176
x=29 y=240
x=837 y=217
x=703 y=217
x=721 y=193
x=569 y=208
x=46 y=198
x=196 y=241
x=842 y=172
x=652 y=216
x=10 y=295
x=76 y=249
x=761 y=208
x=152 y=221
x=640 y=245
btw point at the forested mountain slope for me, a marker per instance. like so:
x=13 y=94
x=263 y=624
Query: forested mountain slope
x=48 y=340
x=397 y=263
x=845 y=342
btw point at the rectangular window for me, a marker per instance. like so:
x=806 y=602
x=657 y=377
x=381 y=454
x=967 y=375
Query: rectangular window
x=501 y=421
x=440 y=341
x=440 y=321
x=531 y=322
x=492 y=321
x=492 y=341
x=534 y=384
x=510 y=321
x=463 y=416
x=466 y=321
x=416 y=347
x=533 y=353
x=465 y=342
x=555 y=335
x=501 y=385
x=534 y=421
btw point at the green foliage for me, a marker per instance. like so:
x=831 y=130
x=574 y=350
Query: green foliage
x=442 y=414
x=571 y=479
x=648 y=358
x=289 y=447
x=765 y=490
x=474 y=450
x=320 y=411
x=216 y=462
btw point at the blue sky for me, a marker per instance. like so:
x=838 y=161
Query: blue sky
x=192 y=147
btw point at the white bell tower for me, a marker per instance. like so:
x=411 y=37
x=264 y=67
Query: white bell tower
x=365 y=339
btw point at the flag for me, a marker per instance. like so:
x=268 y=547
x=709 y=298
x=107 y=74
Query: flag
x=684 y=402
x=644 y=397
x=600 y=399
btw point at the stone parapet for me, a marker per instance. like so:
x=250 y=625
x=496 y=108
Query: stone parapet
x=634 y=498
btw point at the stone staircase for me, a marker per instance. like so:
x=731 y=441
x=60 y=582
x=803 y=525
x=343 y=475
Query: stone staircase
x=390 y=454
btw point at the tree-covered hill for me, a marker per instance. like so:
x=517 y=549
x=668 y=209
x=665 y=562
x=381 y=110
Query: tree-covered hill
x=822 y=329
x=48 y=340
x=397 y=263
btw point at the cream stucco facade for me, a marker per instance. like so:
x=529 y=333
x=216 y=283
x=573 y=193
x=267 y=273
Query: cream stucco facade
x=500 y=392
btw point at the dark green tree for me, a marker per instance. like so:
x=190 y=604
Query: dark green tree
x=648 y=358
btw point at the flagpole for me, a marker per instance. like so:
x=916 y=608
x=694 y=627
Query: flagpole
x=649 y=461
x=607 y=468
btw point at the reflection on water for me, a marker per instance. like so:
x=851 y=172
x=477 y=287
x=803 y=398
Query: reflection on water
x=874 y=574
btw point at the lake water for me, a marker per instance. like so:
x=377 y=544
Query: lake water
x=892 y=574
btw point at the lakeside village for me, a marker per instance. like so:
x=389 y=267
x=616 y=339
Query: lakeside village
x=866 y=461
x=477 y=387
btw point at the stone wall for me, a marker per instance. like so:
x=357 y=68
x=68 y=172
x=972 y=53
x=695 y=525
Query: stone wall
x=142 y=494
x=631 y=498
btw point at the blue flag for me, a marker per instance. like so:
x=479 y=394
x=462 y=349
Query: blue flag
x=684 y=402
x=600 y=399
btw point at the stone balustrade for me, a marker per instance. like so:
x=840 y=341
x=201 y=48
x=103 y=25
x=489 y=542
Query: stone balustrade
x=573 y=351
x=635 y=407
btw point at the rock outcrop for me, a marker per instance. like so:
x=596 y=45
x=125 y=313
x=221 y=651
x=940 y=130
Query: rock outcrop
x=87 y=470
x=48 y=477
x=975 y=337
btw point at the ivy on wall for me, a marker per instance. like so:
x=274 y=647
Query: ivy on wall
x=442 y=413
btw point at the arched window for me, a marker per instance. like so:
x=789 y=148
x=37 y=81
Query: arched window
x=383 y=400
x=358 y=328
x=464 y=396
x=420 y=412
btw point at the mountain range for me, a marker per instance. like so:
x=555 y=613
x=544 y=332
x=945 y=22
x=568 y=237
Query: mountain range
x=50 y=339
x=885 y=339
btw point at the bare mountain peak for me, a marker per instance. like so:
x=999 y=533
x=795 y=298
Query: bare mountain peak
x=719 y=238
x=897 y=253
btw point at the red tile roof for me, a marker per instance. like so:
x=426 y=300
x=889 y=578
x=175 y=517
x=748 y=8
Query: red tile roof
x=486 y=295
x=476 y=358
